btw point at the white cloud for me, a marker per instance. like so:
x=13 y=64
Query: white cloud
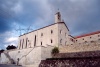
x=11 y=39
x=18 y=8
x=5 y=45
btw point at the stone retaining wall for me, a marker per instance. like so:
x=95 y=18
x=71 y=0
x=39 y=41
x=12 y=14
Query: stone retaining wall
x=75 y=62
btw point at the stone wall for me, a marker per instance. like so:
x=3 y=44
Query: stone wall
x=26 y=56
x=88 y=39
x=30 y=56
x=87 y=54
x=46 y=52
x=79 y=48
x=76 y=62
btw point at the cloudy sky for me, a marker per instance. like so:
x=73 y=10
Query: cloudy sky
x=81 y=17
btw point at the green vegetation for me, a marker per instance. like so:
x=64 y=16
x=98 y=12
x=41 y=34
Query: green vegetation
x=55 y=50
x=9 y=47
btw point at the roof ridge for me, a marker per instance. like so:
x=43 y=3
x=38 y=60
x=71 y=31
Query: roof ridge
x=92 y=33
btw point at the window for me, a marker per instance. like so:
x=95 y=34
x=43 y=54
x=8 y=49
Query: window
x=51 y=41
x=66 y=43
x=85 y=42
x=98 y=35
x=60 y=31
x=76 y=40
x=35 y=41
x=83 y=38
x=18 y=51
x=41 y=43
x=65 y=34
x=26 y=42
x=61 y=41
x=41 y=34
x=92 y=41
x=20 y=44
x=51 y=31
x=90 y=37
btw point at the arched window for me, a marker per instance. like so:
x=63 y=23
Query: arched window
x=41 y=34
x=22 y=43
x=41 y=43
x=65 y=34
x=35 y=41
x=51 y=31
x=26 y=42
x=51 y=41
x=60 y=31
x=61 y=41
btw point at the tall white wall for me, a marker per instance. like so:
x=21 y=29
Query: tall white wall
x=45 y=38
x=63 y=34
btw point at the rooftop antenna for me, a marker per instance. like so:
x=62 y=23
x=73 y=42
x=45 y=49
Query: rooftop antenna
x=20 y=30
x=58 y=9
x=29 y=28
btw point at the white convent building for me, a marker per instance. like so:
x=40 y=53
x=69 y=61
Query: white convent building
x=37 y=45
x=55 y=34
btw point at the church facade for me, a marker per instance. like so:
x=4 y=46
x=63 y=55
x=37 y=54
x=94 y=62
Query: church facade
x=37 y=45
x=54 y=35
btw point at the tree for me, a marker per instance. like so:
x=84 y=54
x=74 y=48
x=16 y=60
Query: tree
x=9 y=47
x=1 y=50
x=55 y=50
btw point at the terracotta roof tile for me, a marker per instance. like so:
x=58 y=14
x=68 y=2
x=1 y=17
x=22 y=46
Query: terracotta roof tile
x=97 y=32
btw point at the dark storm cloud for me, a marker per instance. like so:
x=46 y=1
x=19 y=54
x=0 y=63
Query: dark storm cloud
x=6 y=15
x=81 y=16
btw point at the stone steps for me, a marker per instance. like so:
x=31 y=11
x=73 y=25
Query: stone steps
x=10 y=59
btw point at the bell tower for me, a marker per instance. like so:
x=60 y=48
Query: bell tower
x=57 y=17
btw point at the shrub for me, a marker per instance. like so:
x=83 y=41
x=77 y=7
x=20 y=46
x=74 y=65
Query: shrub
x=55 y=50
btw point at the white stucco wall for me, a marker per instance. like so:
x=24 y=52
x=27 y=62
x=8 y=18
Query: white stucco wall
x=45 y=39
x=63 y=34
